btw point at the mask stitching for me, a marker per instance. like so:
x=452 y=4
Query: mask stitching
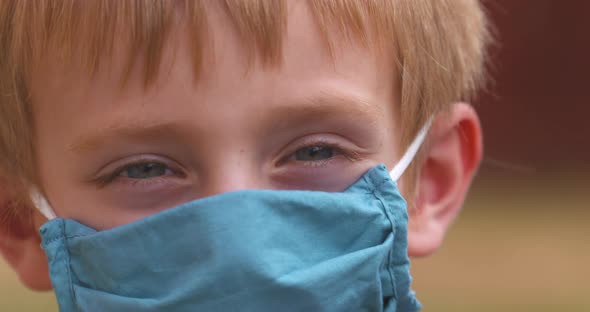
x=53 y=240
x=391 y=215
x=375 y=192
x=66 y=260
x=69 y=268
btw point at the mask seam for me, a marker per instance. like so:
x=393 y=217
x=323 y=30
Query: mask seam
x=375 y=192
x=379 y=184
x=68 y=266
x=51 y=241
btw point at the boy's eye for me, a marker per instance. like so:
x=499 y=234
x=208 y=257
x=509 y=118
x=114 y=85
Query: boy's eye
x=314 y=153
x=145 y=171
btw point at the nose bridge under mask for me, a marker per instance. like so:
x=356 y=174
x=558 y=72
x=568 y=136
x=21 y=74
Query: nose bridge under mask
x=229 y=180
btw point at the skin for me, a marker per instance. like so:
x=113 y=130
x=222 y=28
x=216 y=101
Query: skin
x=313 y=123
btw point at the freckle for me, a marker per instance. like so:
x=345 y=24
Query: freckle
x=242 y=150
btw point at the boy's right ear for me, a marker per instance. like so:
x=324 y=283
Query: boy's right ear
x=20 y=242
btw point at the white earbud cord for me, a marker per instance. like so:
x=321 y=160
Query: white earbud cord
x=407 y=158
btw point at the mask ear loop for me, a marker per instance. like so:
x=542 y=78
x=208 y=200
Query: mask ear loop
x=42 y=205
x=407 y=158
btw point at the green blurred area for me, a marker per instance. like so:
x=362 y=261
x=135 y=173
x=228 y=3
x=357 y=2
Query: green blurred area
x=521 y=244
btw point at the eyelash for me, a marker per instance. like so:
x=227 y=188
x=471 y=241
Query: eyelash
x=109 y=178
x=339 y=150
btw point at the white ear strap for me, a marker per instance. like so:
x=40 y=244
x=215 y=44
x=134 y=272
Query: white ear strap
x=42 y=205
x=405 y=161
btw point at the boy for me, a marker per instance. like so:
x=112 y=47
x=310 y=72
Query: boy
x=224 y=155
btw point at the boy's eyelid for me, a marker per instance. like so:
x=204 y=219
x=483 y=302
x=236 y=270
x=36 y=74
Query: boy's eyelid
x=138 y=164
x=339 y=143
x=115 y=167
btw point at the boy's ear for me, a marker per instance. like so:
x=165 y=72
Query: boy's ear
x=20 y=242
x=452 y=156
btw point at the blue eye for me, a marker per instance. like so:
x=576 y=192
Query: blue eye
x=145 y=171
x=314 y=153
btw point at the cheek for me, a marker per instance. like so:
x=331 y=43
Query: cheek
x=389 y=151
x=51 y=181
x=332 y=178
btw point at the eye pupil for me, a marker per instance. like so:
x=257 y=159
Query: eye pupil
x=144 y=171
x=314 y=153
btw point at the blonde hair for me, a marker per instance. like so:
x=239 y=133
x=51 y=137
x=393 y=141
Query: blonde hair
x=439 y=46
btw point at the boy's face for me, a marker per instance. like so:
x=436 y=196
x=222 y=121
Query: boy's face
x=107 y=157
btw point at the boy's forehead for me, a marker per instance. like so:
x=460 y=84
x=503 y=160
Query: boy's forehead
x=305 y=52
x=84 y=39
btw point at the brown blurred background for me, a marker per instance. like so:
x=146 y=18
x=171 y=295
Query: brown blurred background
x=523 y=240
x=537 y=113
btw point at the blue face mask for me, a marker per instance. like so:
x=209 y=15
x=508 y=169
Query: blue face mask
x=251 y=250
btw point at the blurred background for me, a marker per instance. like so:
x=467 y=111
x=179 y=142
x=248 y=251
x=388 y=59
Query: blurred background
x=522 y=242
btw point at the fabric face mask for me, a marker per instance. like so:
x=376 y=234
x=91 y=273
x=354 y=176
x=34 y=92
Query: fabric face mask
x=251 y=250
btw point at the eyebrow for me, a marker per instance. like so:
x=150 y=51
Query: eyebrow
x=344 y=103
x=325 y=105
x=307 y=110
x=124 y=129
